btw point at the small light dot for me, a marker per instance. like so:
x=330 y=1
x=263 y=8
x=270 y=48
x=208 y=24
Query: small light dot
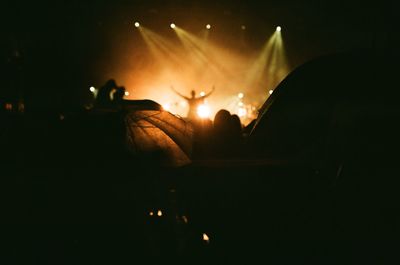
x=92 y=89
x=159 y=213
x=137 y=24
x=206 y=238
x=240 y=95
x=172 y=25
x=271 y=91
x=208 y=26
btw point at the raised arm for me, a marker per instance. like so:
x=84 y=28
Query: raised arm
x=209 y=93
x=179 y=94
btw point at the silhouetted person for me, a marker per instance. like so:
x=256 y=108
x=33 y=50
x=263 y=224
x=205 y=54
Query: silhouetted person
x=194 y=102
x=103 y=98
x=110 y=95
x=118 y=95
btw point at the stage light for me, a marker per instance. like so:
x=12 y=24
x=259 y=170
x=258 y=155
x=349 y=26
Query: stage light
x=172 y=25
x=208 y=26
x=126 y=93
x=159 y=213
x=243 y=27
x=203 y=111
x=271 y=91
x=202 y=93
x=206 y=238
x=166 y=106
x=151 y=213
x=137 y=24
x=242 y=112
x=240 y=103
x=278 y=29
x=240 y=95
x=92 y=89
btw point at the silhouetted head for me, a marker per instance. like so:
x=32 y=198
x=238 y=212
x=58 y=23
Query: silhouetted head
x=222 y=120
x=110 y=83
x=236 y=123
x=193 y=93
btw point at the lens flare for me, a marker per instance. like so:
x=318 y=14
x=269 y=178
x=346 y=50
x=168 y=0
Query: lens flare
x=242 y=112
x=166 y=106
x=203 y=111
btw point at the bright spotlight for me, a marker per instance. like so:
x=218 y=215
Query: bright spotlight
x=240 y=95
x=208 y=26
x=242 y=112
x=202 y=93
x=172 y=25
x=278 y=29
x=126 y=93
x=203 y=111
x=137 y=24
x=92 y=89
x=166 y=107
x=206 y=238
x=271 y=91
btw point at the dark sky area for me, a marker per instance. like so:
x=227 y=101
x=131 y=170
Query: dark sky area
x=51 y=52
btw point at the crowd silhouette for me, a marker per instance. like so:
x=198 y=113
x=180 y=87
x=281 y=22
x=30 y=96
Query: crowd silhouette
x=314 y=180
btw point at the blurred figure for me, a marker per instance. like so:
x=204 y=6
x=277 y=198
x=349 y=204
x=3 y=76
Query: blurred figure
x=194 y=102
x=228 y=140
x=109 y=95
x=118 y=94
x=103 y=98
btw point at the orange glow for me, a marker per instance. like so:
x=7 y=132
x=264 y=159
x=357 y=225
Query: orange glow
x=187 y=61
x=204 y=111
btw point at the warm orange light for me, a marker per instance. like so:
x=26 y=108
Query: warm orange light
x=126 y=93
x=166 y=106
x=172 y=26
x=159 y=213
x=151 y=213
x=242 y=112
x=240 y=95
x=208 y=26
x=271 y=91
x=206 y=238
x=203 y=111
